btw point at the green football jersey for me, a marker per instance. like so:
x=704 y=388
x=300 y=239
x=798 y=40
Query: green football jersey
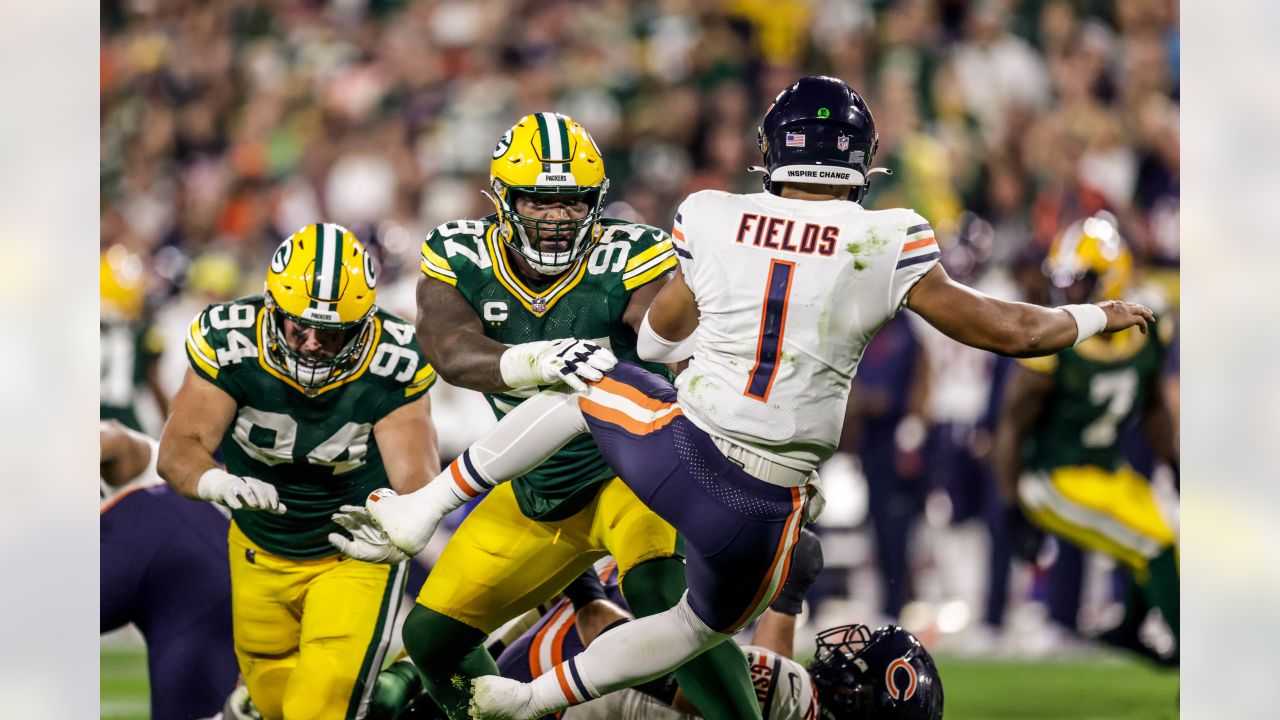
x=126 y=349
x=1098 y=386
x=319 y=450
x=585 y=302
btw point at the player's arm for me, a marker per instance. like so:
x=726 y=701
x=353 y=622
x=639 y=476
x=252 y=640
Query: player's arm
x=666 y=330
x=1015 y=328
x=124 y=454
x=452 y=338
x=1158 y=424
x=1025 y=400
x=407 y=440
x=200 y=415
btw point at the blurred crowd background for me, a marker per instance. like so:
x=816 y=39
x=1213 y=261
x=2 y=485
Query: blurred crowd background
x=228 y=124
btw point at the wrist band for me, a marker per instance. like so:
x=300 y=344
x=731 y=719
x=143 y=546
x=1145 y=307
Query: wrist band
x=1090 y=320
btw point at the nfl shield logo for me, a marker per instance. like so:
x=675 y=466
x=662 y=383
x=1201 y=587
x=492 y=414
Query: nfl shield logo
x=842 y=143
x=539 y=306
x=795 y=139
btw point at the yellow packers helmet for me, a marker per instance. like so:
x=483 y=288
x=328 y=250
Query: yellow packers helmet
x=321 y=277
x=122 y=283
x=547 y=154
x=1089 y=261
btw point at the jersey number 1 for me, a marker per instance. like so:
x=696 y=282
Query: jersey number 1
x=773 y=322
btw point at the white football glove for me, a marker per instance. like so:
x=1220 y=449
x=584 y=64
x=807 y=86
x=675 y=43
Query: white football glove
x=235 y=492
x=546 y=362
x=368 y=542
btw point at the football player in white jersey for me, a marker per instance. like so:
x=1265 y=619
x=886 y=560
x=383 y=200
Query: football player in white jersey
x=776 y=296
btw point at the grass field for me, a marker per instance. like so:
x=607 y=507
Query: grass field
x=975 y=689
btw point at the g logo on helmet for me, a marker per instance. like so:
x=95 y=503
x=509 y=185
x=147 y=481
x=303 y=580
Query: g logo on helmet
x=504 y=142
x=890 y=679
x=370 y=273
x=280 y=260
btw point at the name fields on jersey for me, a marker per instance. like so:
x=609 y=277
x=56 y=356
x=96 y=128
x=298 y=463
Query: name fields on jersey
x=778 y=233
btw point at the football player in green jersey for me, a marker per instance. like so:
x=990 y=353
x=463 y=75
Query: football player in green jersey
x=130 y=347
x=528 y=297
x=1058 y=440
x=314 y=397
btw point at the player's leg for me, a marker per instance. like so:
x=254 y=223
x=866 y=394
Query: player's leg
x=652 y=577
x=266 y=597
x=347 y=619
x=499 y=564
x=1112 y=512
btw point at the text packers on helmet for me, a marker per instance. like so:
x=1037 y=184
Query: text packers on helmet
x=320 y=277
x=547 y=154
x=122 y=283
x=1089 y=261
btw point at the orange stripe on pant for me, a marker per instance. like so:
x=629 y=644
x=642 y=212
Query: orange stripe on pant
x=782 y=554
x=625 y=421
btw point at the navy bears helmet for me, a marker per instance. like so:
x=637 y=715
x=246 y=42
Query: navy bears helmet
x=886 y=675
x=819 y=131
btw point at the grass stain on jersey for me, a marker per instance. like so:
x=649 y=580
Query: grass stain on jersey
x=872 y=244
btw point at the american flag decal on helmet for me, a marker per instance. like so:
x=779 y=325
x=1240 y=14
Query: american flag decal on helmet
x=795 y=139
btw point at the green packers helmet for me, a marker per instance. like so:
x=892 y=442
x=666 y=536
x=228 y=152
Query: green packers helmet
x=320 y=277
x=547 y=154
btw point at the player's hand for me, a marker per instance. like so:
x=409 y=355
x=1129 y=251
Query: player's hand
x=580 y=360
x=368 y=542
x=1121 y=315
x=409 y=521
x=1024 y=538
x=237 y=493
x=548 y=362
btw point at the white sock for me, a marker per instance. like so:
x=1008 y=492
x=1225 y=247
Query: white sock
x=627 y=655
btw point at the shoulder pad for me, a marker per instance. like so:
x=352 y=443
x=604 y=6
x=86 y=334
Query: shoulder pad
x=223 y=335
x=398 y=358
x=455 y=243
x=651 y=254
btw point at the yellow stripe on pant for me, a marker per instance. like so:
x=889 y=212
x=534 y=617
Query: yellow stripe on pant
x=310 y=635
x=1113 y=512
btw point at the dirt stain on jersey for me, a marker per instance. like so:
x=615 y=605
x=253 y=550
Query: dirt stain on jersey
x=873 y=243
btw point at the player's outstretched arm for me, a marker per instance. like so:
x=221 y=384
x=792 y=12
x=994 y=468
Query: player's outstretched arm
x=123 y=453
x=665 y=331
x=453 y=340
x=199 y=416
x=1015 y=328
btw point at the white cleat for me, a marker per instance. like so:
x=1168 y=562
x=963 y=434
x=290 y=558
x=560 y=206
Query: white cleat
x=408 y=522
x=497 y=698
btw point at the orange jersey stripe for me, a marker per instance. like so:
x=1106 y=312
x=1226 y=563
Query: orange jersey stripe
x=675 y=233
x=917 y=244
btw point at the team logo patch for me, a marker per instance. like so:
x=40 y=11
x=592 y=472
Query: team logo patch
x=795 y=140
x=280 y=260
x=842 y=143
x=539 y=305
x=370 y=273
x=891 y=676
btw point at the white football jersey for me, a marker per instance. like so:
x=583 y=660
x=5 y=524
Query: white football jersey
x=782 y=685
x=789 y=294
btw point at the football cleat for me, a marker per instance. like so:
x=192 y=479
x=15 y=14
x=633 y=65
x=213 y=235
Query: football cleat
x=497 y=698
x=408 y=520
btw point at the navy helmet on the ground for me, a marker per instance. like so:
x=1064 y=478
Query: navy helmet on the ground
x=818 y=131
x=881 y=675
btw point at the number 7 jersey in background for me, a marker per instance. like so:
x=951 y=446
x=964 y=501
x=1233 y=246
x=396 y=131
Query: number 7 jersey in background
x=789 y=294
x=317 y=449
